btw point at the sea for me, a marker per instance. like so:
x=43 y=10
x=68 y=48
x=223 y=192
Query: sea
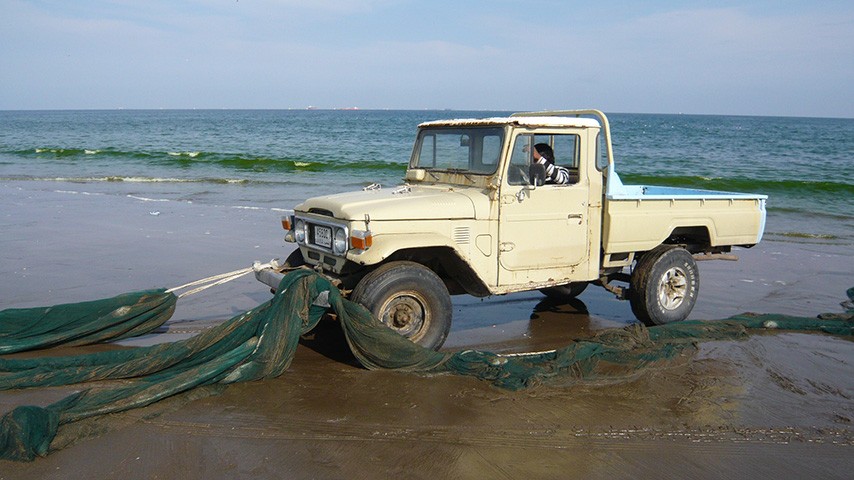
x=272 y=159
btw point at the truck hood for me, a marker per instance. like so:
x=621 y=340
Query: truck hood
x=414 y=203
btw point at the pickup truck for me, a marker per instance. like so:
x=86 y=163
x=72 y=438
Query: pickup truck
x=474 y=217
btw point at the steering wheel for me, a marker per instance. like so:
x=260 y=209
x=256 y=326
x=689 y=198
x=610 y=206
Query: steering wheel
x=523 y=174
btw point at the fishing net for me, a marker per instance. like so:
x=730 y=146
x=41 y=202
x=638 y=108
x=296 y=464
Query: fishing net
x=261 y=343
x=72 y=324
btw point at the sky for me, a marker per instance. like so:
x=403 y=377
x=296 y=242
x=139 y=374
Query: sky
x=761 y=57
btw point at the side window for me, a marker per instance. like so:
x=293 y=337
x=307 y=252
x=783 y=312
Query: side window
x=567 y=152
x=601 y=153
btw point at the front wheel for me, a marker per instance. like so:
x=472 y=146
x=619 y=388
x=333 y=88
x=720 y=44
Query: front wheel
x=410 y=299
x=664 y=285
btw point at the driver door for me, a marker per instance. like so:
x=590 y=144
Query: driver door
x=543 y=230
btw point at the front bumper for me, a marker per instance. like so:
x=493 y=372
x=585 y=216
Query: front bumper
x=269 y=276
x=272 y=277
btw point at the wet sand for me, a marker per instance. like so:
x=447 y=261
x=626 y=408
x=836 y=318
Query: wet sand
x=777 y=405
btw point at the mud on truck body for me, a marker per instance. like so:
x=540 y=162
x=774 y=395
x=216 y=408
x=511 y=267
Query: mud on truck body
x=474 y=217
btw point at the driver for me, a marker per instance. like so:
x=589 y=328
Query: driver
x=555 y=174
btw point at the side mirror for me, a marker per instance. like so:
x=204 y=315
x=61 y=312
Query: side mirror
x=537 y=174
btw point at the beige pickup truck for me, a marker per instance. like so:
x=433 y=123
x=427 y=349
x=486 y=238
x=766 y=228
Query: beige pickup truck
x=474 y=217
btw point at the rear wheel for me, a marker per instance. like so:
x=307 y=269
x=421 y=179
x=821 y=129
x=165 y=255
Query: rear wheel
x=565 y=292
x=664 y=285
x=410 y=299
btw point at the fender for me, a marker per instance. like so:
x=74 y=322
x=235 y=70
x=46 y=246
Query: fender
x=385 y=245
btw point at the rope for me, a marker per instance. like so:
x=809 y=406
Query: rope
x=219 y=279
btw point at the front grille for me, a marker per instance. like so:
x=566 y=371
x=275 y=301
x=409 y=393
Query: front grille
x=313 y=240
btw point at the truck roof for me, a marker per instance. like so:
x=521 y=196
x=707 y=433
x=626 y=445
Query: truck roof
x=532 y=121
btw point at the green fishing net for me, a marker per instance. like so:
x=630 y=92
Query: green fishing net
x=84 y=323
x=261 y=343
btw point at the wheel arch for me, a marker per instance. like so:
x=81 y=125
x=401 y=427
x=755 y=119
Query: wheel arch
x=694 y=238
x=443 y=260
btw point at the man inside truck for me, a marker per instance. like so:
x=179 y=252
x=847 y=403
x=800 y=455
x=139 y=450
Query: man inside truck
x=544 y=155
x=530 y=149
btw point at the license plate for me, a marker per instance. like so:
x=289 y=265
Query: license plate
x=323 y=236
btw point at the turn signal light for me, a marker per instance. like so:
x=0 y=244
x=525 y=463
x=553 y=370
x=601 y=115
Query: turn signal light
x=361 y=240
x=288 y=222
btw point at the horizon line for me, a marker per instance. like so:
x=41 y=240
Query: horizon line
x=358 y=109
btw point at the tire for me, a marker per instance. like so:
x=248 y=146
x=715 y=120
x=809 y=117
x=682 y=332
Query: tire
x=565 y=292
x=294 y=260
x=410 y=299
x=664 y=285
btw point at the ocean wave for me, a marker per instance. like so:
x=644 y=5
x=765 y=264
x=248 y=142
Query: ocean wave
x=740 y=184
x=226 y=160
x=75 y=192
x=146 y=199
x=136 y=180
x=809 y=238
x=266 y=164
x=820 y=236
x=184 y=154
x=59 y=152
x=844 y=217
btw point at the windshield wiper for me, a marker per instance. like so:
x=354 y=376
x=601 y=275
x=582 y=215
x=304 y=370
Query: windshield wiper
x=462 y=171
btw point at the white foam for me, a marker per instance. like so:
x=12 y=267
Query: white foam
x=75 y=192
x=146 y=199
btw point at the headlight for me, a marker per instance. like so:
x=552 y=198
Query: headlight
x=300 y=231
x=339 y=245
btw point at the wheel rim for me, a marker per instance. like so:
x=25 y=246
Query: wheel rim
x=406 y=313
x=673 y=288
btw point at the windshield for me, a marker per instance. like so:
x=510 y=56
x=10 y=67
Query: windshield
x=474 y=150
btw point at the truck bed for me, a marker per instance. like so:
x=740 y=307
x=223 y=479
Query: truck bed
x=640 y=217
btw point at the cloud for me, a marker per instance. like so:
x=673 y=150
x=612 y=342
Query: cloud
x=405 y=54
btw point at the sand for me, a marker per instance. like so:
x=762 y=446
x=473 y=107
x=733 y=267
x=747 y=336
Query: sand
x=777 y=405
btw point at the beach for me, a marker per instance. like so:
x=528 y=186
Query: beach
x=775 y=405
x=98 y=203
